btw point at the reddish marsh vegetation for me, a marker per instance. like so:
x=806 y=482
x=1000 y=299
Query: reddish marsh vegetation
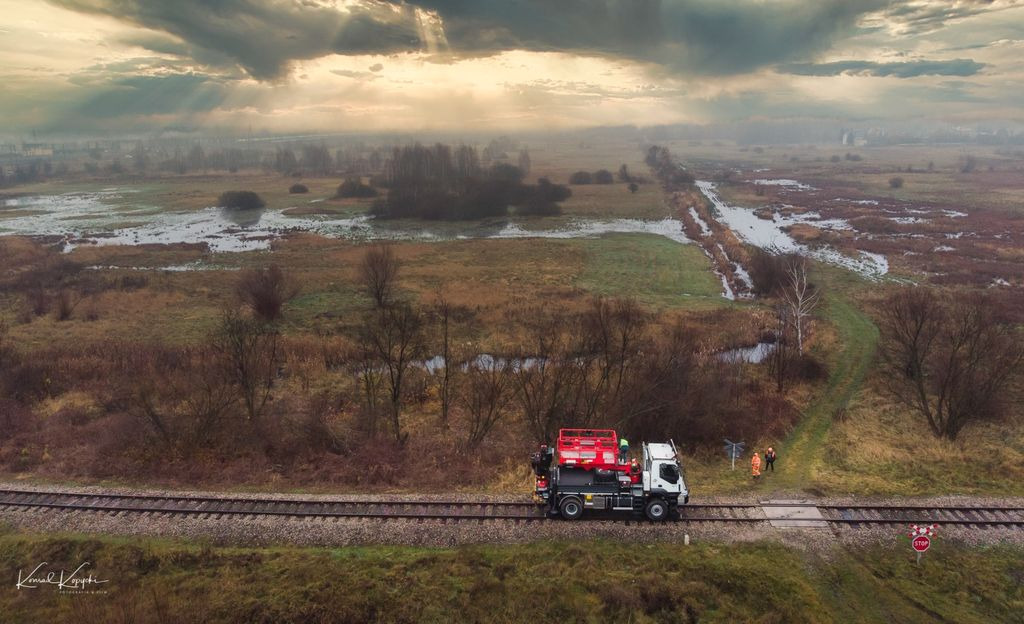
x=360 y=399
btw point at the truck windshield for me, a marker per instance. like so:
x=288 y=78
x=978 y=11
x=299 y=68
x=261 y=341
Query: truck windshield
x=669 y=472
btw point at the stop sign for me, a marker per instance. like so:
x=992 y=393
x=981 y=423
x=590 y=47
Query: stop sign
x=921 y=543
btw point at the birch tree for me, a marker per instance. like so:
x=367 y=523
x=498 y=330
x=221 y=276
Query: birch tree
x=800 y=298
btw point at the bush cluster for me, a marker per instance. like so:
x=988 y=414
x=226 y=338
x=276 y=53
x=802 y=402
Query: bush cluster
x=240 y=200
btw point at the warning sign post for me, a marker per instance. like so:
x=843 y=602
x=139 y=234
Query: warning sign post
x=921 y=539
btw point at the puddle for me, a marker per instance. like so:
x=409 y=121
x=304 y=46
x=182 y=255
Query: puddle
x=785 y=182
x=752 y=355
x=669 y=228
x=704 y=229
x=197 y=265
x=89 y=218
x=859 y=202
x=483 y=361
x=770 y=234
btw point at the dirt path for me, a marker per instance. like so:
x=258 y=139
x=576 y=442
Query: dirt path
x=801 y=455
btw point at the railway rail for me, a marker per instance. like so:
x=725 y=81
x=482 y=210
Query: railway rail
x=850 y=515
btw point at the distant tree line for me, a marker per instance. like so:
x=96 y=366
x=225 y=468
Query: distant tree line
x=439 y=182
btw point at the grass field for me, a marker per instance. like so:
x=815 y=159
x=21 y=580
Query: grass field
x=588 y=581
x=651 y=269
x=615 y=200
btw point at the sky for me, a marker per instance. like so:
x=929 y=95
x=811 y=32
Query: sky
x=147 y=66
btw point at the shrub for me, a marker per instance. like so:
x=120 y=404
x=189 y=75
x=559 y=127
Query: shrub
x=14 y=418
x=633 y=188
x=875 y=225
x=298 y=188
x=265 y=291
x=808 y=368
x=896 y=182
x=581 y=177
x=66 y=303
x=240 y=200
x=603 y=176
x=768 y=271
x=133 y=282
x=354 y=188
x=542 y=200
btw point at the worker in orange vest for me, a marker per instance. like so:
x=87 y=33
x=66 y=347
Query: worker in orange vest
x=755 y=465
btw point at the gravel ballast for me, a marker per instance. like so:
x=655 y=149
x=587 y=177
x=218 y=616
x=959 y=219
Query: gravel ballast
x=268 y=530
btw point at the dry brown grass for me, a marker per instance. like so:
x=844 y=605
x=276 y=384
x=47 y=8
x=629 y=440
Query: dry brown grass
x=881 y=447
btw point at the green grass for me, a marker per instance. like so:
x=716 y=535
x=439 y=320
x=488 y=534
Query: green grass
x=651 y=268
x=588 y=581
x=858 y=339
x=343 y=302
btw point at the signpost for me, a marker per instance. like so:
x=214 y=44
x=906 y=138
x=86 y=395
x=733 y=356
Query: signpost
x=921 y=539
x=733 y=450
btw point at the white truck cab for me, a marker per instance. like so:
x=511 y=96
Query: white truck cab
x=663 y=476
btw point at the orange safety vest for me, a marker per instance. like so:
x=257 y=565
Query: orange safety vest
x=755 y=466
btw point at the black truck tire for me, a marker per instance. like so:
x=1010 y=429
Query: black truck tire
x=656 y=510
x=571 y=507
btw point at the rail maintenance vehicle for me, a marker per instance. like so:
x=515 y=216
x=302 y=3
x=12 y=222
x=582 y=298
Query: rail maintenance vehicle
x=590 y=474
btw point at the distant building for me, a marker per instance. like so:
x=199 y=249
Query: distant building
x=36 y=149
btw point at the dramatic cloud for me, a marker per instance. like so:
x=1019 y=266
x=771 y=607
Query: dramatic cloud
x=265 y=36
x=118 y=66
x=690 y=36
x=903 y=69
x=924 y=16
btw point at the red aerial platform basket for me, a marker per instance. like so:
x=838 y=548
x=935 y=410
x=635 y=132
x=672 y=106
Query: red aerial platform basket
x=589 y=448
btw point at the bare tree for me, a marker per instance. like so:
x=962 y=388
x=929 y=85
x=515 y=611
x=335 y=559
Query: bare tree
x=801 y=299
x=486 y=394
x=544 y=375
x=612 y=338
x=395 y=335
x=950 y=361
x=379 y=272
x=183 y=395
x=443 y=312
x=265 y=291
x=780 y=362
x=369 y=373
x=251 y=353
x=4 y=356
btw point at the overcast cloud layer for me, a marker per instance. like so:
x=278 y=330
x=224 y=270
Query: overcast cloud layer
x=134 y=65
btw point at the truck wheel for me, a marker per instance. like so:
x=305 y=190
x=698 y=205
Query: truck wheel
x=656 y=510
x=571 y=508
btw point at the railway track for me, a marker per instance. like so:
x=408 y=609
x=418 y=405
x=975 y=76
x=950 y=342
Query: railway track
x=462 y=511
